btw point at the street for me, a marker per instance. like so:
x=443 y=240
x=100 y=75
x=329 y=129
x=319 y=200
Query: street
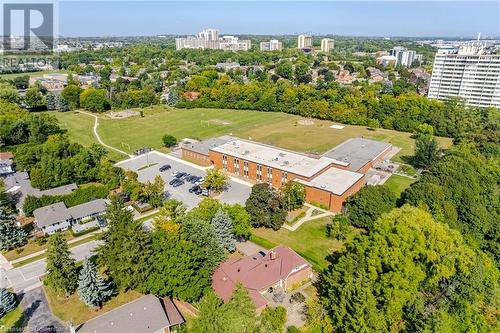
x=28 y=276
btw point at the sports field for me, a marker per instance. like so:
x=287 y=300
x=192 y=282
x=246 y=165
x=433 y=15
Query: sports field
x=31 y=74
x=280 y=129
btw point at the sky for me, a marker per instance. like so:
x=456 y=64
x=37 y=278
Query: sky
x=347 y=18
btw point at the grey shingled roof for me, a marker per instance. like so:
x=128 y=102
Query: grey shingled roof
x=144 y=315
x=357 y=151
x=51 y=214
x=88 y=208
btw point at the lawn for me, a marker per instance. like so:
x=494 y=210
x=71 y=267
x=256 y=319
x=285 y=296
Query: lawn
x=309 y=241
x=280 y=129
x=398 y=184
x=72 y=309
x=31 y=74
x=80 y=129
x=30 y=248
x=12 y=321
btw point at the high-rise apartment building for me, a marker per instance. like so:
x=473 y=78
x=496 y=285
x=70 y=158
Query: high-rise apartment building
x=327 y=44
x=469 y=72
x=272 y=45
x=304 y=42
x=209 y=39
x=404 y=57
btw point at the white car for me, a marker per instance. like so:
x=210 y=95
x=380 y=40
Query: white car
x=199 y=182
x=174 y=173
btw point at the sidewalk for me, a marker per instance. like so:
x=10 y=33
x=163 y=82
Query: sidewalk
x=308 y=217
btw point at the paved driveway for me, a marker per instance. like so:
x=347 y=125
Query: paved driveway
x=37 y=314
x=236 y=192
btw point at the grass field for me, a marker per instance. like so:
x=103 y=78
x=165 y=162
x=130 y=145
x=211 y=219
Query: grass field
x=30 y=248
x=12 y=321
x=31 y=74
x=309 y=241
x=398 y=184
x=280 y=129
x=74 y=310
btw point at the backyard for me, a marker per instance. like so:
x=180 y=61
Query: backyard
x=280 y=129
x=309 y=241
x=398 y=184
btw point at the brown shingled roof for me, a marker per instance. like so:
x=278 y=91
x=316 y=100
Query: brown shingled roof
x=256 y=272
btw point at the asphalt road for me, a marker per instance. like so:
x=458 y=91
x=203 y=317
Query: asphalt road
x=28 y=276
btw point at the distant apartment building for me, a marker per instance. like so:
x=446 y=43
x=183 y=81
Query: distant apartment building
x=272 y=45
x=469 y=72
x=405 y=57
x=327 y=44
x=209 y=39
x=304 y=42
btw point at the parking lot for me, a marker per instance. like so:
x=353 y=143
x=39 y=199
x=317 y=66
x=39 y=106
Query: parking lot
x=236 y=192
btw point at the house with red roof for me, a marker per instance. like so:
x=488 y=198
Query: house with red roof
x=280 y=267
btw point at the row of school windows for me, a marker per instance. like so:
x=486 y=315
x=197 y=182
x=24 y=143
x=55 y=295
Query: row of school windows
x=269 y=171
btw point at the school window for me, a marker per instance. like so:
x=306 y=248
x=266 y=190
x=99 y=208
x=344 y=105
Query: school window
x=236 y=166
x=269 y=175
x=259 y=172
x=224 y=162
x=245 y=168
x=284 y=177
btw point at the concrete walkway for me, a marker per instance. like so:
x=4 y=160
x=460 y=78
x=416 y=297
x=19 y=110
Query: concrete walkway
x=308 y=217
x=248 y=248
x=96 y=125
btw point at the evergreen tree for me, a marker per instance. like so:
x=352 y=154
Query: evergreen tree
x=61 y=103
x=211 y=318
x=7 y=301
x=223 y=227
x=126 y=248
x=92 y=289
x=50 y=99
x=241 y=311
x=11 y=236
x=272 y=320
x=172 y=98
x=61 y=270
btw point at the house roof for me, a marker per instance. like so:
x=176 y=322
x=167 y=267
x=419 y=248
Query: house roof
x=88 y=208
x=357 y=151
x=256 y=272
x=145 y=315
x=6 y=155
x=51 y=214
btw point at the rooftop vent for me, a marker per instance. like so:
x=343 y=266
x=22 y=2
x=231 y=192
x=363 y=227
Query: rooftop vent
x=282 y=154
x=286 y=162
x=273 y=255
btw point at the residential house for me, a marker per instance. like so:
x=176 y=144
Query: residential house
x=148 y=314
x=6 y=163
x=57 y=216
x=260 y=273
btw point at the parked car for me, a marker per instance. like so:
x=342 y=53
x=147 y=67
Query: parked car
x=200 y=181
x=165 y=167
x=198 y=191
x=193 y=188
x=180 y=175
x=178 y=183
x=187 y=175
x=204 y=192
x=194 y=179
x=166 y=194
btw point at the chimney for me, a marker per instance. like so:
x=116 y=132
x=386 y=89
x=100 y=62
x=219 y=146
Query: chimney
x=272 y=254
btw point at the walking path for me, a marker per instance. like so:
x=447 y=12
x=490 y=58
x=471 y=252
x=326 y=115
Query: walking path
x=96 y=125
x=308 y=217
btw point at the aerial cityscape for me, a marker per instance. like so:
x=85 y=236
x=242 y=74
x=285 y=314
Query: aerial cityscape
x=249 y=166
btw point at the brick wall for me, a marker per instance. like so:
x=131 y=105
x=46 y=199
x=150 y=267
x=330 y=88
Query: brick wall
x=298 y=277
x=195 y=157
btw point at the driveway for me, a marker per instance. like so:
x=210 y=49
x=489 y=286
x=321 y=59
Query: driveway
x=236 y=192
x=248 y=248
x=37 y=314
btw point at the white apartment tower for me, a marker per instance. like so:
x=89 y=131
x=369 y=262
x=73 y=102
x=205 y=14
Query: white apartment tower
x=209 y=34
x=272 y=45
x=469 y=73
x=304 y=42
x=327 y=44
x=404 y=57
x=209 y=39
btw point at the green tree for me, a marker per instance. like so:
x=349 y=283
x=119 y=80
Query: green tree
x=397 y=278
x=62 y=274
x=240 y=311
x=285 y=69
x=50 y=99
x=172 y=98
x=242 y=225
x=11 y=236
x=94 y=100
x=33 y=98
x=368 y=204
x=339 y=228
x=22 y=82
x=426 y=151
x=154 y=191
x=212 y=317
x=92 y=288
x=294 y=195
x=71 y=93
x=169 y=140
x=8 y=93
x=61 y=103
x=7 y=301
x=215 y=180
x=265 y=207
x=126 y=249
x=223 y=227
x=272 y=320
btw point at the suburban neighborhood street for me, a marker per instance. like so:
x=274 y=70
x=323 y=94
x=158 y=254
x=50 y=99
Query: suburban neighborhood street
x=28 y=276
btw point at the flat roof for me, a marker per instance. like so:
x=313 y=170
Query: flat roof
x=278 y=158
x=202 y=147
x=334 y=180
x=357 y=151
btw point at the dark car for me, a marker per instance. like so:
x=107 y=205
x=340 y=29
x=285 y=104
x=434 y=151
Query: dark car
x=178 y=183
x=166 y=194
x=165 y=167
x=194 y=179
x=198 y=191
x=193 y=188
x=172 y=181
x=124 y=197
x=180 y=175
x=187 y=175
